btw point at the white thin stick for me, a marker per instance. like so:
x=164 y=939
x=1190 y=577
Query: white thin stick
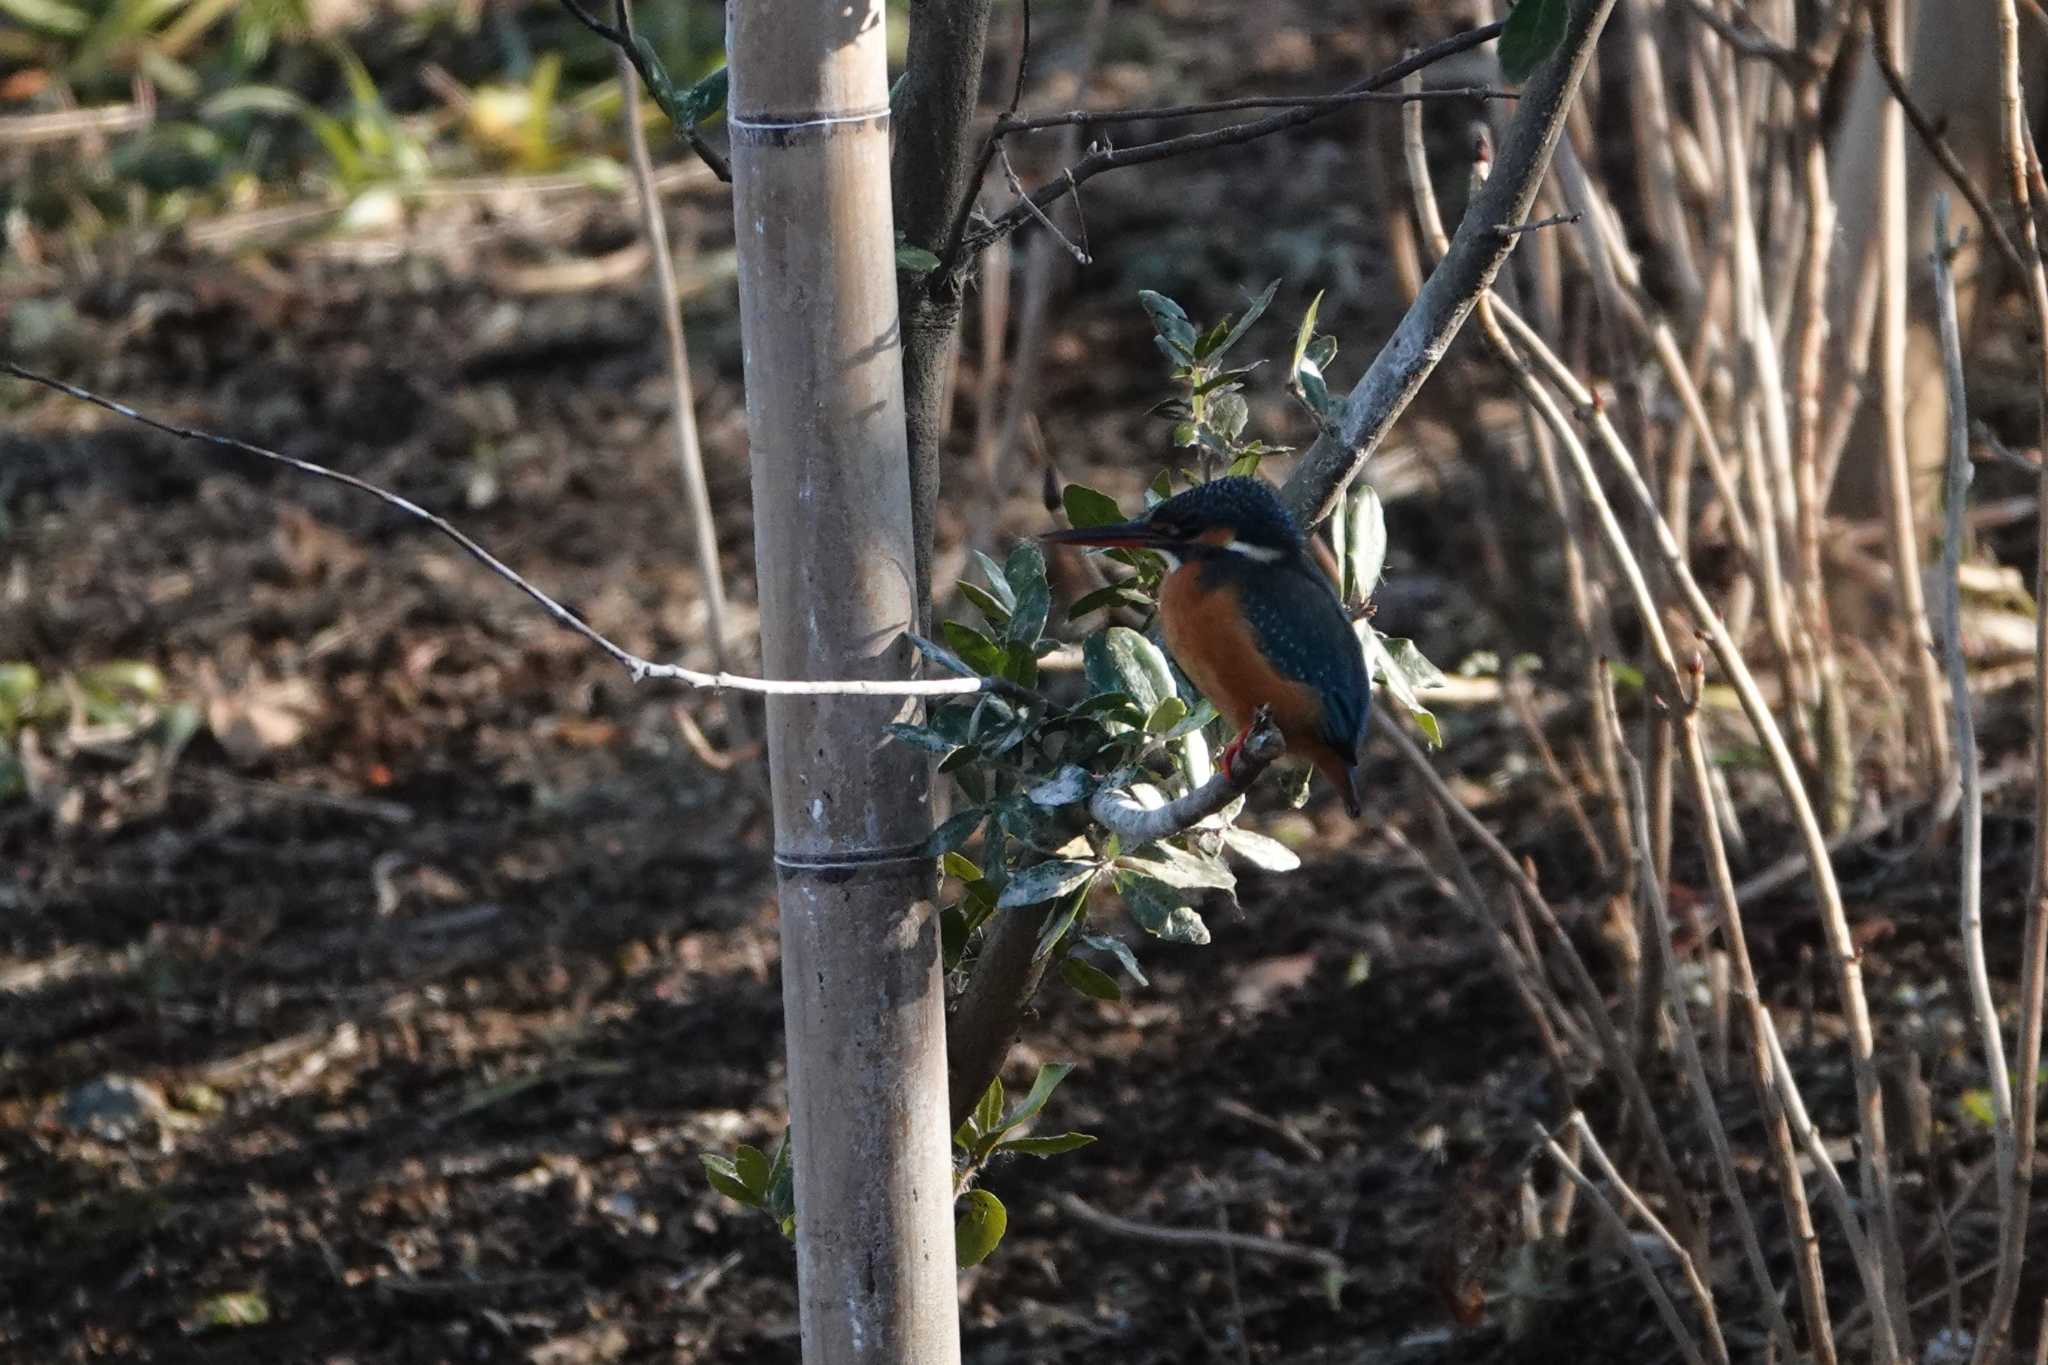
x=640 y=669
x=1948 y=629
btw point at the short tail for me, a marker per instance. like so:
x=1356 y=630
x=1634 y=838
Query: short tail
x=1344 y=777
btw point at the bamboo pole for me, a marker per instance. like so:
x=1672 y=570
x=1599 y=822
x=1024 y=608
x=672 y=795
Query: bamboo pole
x=863 y=1003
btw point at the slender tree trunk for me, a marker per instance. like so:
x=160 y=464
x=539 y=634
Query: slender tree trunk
x=862 y=997
x=942 y=78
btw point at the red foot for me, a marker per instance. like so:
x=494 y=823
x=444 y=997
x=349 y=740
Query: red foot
x=1228 y=759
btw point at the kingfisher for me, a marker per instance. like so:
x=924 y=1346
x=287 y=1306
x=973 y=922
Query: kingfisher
x=1253 y=620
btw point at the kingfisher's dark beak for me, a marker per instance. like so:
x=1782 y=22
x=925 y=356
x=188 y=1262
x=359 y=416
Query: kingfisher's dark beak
x=1124 y=535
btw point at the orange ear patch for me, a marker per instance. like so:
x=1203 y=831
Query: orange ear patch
x=1217 y=535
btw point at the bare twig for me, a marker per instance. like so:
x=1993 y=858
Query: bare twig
x=640 y=669
x=1703 y=1094
x=1110 y=158
x=1476 y=254
x=676 y=353
x=1882 y=50
x=1327 y=1261
x=1017 y=187
x=1703 y=1297
x=1554 y=220
x=2034 y=953
x=1025 y=123
x=1688 y=1345
x=1614 y=1052
x=1748 y=41
x=1949 y=628
x=1123 y=815
x=28 y=130
x=1923 y=671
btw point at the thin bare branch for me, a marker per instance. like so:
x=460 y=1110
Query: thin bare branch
x=676 y=355
x=2034 y=953
x=1477 y=252
x=1111 y=158
x=1132 y=821
x=1025 y=123
x=1881 y=50
x=1949 y=630
x=1688 y=1345
x=1074 y=1205
x=640 y=669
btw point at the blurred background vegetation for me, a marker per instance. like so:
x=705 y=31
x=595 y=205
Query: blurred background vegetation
x=232 y=106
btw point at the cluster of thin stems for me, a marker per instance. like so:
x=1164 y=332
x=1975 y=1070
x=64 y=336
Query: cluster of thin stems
x=1732 y=410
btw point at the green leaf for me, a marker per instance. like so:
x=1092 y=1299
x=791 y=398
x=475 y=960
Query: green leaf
x=1178 y=867
x=998 y=583
x=1087 y=508
x=988 y=1111
x=1228 y=414
x=1025 y=573
x=919 y=737
x=981 y=654
x=1042 y=882
x=1115 y=595
x=1409 y=659
x=957 y=830
x=1976 y=1106
x=725 y=1177
x=1119 y=950
x=954 y=864
x=1304 y=334
x=1260 y=851
x=1368 y=535
x=702 y=100
x=1122 y=660
x=1162 y=911
x=980 y=1228
x=1044 y=1146
x=1535 y=29
x=1090 y=980
x=1060 y=920
x=915 y=259
x=1166 y=716
x=1315 y=394
x=1070 y=784
x=990 y=606
x=1245 y=466
x=779 y=1199
x=1401 y=668
x=1048 y=1080
x=1170 y=321
x=1251 y=315
x=753 y=1168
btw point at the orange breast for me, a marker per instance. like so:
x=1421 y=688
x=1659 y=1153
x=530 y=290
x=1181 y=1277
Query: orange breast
x=1211 y=641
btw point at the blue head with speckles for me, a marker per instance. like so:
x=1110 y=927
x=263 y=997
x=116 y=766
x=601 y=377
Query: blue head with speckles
x=1248 y=509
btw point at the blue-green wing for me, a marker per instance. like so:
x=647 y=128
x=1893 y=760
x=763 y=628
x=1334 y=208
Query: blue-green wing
x=1307 y=634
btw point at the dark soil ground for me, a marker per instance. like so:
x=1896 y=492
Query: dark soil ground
x=397 y=1006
